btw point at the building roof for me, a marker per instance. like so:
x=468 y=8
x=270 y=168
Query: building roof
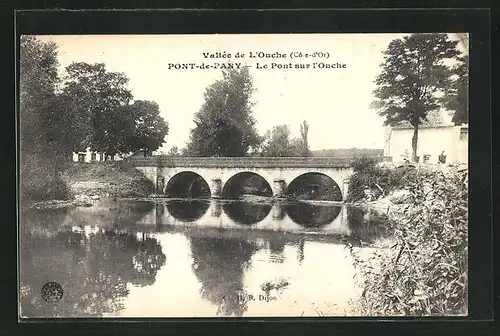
x=403 y=127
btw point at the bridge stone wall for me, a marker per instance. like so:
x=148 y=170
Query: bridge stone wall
x=279 y=172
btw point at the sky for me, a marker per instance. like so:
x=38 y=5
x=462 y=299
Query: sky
x=334 y=101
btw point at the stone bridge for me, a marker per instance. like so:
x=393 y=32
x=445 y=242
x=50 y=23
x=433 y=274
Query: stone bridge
x=278 y=172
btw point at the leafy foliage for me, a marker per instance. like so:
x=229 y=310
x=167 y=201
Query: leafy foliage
x=97 y=97
x=174 y=151
x=42 y=139
x=278 y=142
x=149 y=128
x=456 y=98
x=224 y=124
x=88 y=108
x=99 y=104
x=381 y=179
x=425 y=271
x=304 y=131
x=412 y=74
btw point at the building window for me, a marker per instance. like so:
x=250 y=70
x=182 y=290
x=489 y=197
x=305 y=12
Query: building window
x=463 y=133
x=93 y=157
x=81 y=157
x=427 y=158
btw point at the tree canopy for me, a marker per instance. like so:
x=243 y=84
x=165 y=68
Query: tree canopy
x=278 y=142
x=104 y=118
x=224 y=124
x=38 y=84
x=304 y=143
x=413 y=76
x=456 y=98
x=43 y=135
x=149 y=128
x=88 y=107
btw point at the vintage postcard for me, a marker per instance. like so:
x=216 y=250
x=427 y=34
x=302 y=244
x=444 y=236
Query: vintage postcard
x=243 y=175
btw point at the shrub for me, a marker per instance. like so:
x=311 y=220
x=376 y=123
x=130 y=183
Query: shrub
x=362 y=163
x=425 y=271
x=41 y=180
x=368 y=174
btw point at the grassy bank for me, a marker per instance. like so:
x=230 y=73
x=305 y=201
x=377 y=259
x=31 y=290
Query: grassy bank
x=114 y=179
x=425 y=271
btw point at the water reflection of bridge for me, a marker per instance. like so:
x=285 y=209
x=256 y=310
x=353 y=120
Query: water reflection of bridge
x=282 y=217
x=85 y=248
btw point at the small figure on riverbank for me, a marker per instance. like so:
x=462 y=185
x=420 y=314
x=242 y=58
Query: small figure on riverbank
x=442 y=158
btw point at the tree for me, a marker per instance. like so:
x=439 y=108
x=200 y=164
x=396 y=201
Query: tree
x=413 y=73
x=456 y=98
x=278 y=142
x=304 y=130
x=96 y=98
x=174 y=151
x=37 y=87
x=149 y=128
x=42 y=122
x=224 y=124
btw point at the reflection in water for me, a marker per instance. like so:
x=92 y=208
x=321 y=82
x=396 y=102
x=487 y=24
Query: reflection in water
x=277 y=250
x=310 y=215
x=102 y=255
x=279 y=211
x=187 y=210
x=219 y=264
x=300 y=254
x=246 y=213
x=367 y=225
x=93 y=268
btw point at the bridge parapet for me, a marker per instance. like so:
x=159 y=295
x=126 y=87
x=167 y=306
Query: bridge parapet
x=243 y=162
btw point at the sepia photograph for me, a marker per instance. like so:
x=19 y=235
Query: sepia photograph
x=243 y=175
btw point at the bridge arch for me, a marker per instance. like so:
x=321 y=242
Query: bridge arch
x=187 y=184
x=315 y=185
x=246 y=182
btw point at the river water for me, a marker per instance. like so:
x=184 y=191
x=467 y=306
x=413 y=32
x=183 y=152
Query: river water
x=193 y=258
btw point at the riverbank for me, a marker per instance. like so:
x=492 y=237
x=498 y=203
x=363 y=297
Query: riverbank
x=89 y=182
x=429 y=218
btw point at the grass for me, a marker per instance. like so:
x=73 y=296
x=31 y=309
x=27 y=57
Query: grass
x=116 y=179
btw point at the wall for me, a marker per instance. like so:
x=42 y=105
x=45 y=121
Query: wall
x=431 y=141
x=461 y=145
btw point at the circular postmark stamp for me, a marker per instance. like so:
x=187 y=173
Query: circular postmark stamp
x=52 y=292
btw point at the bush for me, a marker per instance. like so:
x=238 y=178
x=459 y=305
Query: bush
x=381 y=180
x=41 y=180
x=425 y=271
x=362 y=164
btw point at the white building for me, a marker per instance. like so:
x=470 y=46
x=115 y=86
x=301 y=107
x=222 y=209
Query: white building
x=89 y=156
x=432 y=141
